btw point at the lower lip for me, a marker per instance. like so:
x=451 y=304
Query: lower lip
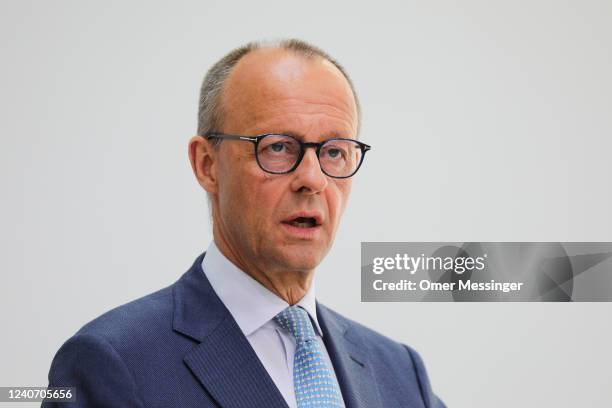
x=302 y=233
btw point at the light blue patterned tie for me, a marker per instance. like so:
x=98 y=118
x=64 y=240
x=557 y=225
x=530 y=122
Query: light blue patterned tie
x=314 y=382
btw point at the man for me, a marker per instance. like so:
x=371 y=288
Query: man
x=275 y=151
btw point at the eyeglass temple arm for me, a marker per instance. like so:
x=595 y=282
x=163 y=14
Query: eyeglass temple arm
x=231 y=137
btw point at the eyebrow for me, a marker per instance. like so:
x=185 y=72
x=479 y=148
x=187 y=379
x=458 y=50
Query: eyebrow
x=300 y=136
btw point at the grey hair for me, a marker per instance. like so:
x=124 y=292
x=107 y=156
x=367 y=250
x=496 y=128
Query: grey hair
x=210 y=110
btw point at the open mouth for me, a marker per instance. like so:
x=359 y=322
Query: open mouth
x=306 y=220
x=302 y=222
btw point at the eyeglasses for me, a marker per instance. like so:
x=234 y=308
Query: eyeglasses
x=281 y=154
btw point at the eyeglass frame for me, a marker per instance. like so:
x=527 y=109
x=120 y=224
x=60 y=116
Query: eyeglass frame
x=303 y=146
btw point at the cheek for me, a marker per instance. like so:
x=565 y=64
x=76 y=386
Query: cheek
x=260 y=198
x=235 y=195
x=337 y=200
x=268 y=195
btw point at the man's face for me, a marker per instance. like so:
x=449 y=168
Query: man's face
x=275 y=91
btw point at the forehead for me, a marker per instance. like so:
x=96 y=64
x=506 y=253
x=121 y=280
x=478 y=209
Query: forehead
x=275 y=90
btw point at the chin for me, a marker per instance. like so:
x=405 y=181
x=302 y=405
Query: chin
x=302 y=259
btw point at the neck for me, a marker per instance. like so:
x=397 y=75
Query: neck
x=289 y=285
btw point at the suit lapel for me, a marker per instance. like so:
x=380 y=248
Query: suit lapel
x=224 y=362
x=230 y=370
x=349 y=358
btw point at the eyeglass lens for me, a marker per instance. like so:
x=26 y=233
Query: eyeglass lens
x=338 y=157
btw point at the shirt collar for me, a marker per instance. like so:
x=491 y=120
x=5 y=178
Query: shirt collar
x=251 y=304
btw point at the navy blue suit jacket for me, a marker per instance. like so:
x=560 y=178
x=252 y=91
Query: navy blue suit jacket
x=180 y=347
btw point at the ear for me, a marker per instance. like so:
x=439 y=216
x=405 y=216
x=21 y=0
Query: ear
x=203 y=158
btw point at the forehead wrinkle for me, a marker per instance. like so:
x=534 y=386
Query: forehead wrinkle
x=301 y=112
x=316 y=125
x=318 y=101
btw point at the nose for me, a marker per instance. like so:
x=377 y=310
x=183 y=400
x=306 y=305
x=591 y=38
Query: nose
x=308 y=177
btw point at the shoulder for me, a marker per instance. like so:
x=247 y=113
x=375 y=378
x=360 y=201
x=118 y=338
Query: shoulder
x=113 y=349
x=125 y=322
x=131 y=332
x=370 y=337
x=399 y=364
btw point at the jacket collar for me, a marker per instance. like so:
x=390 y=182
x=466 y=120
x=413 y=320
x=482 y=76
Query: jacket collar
x=197 y=308
x=228 y=367
x=349 y=354
x=251 y=304
x=224 y=362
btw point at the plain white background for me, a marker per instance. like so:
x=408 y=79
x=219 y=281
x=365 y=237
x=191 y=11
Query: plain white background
x=490 y=121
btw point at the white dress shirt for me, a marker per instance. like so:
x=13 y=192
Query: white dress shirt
x=253 y=307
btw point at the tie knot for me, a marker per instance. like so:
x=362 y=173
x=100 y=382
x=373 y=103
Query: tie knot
x=295 y=320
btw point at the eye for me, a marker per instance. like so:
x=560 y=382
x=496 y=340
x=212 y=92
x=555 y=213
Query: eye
x=277 y=147
x=334 y=153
